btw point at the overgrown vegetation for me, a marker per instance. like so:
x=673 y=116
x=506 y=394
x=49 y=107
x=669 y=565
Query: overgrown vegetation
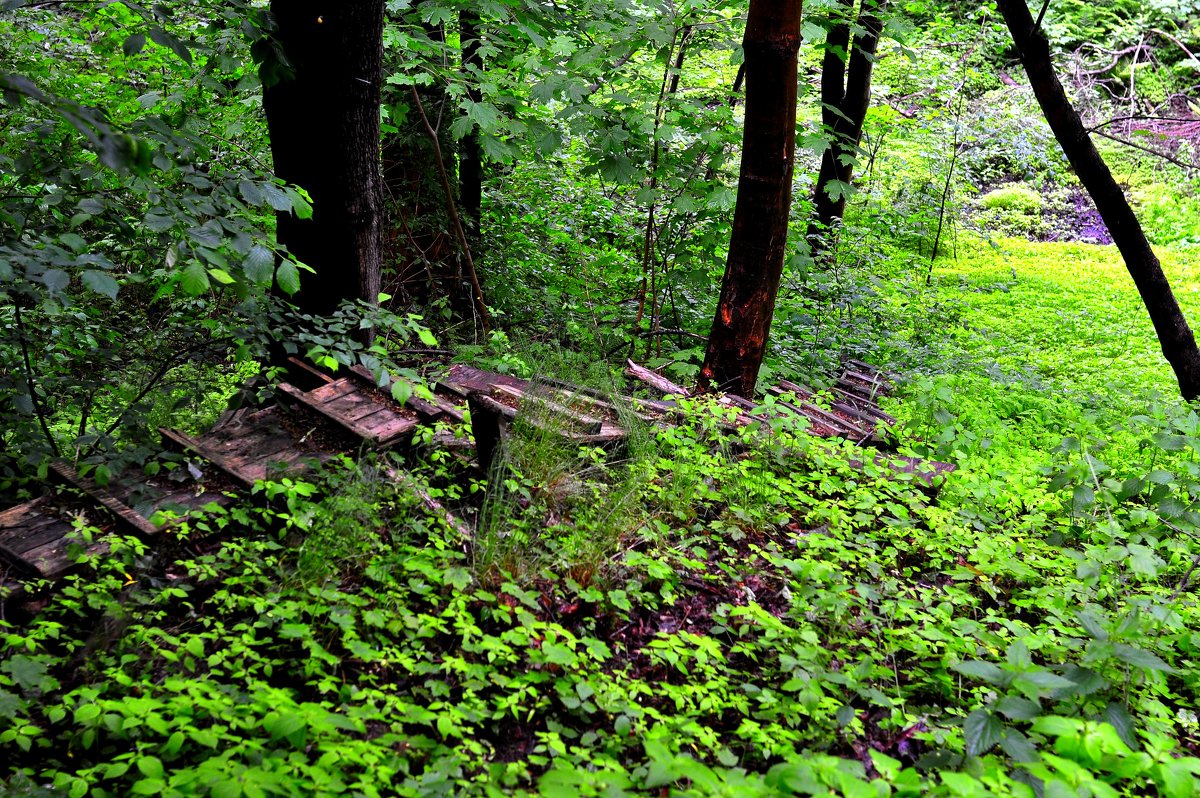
x=698 y=612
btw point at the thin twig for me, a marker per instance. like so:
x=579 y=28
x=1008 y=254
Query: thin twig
x=38 y=408
x=1162 y=155
x=455 y=221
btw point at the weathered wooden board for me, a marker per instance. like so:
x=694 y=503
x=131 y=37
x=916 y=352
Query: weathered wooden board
x=384 y=427
x=122 y=512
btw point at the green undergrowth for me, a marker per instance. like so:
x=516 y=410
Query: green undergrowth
x=698 y=612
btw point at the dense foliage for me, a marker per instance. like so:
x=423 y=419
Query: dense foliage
x=761 y=615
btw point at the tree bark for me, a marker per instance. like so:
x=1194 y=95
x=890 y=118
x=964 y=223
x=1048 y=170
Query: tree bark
x=738 y=339
x=851 y=101
x=323 y=121
x=1174 y=334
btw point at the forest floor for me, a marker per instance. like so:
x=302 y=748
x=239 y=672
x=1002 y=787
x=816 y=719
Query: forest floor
x=696 y=616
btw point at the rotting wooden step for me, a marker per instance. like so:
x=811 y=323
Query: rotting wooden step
x=588 y=425
x=125 y=515
x=36 y=544
x=378 y=423
x=431 y=410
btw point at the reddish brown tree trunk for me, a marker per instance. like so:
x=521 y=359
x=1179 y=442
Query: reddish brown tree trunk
x=323 y=121
x=1174 y=334
x=738 y=339
x=846 y=96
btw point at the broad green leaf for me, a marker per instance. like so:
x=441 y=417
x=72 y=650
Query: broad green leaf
x=1141 y=658
x=1017 y=708
x=1017 y=746
x=56 y=280
x=194 y=279
x=151 y=767
x=73 y=241
x=259 y=265
x=288 y=277
x=977 y=669
x=133 y=43
x=164 y=39
x=982 y=731
x=101 y=283
x=158 y=223
x=1118 y=717
x=221 y=276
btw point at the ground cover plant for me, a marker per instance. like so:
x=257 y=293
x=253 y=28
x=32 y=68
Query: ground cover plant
x=706 y=610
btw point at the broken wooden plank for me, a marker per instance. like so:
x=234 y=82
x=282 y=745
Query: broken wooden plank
x=16 y=564
x=655 y=380
x=378 y=433
x=590 y=425
x=181 y=442
x=13 y=515
x=304 y=374
x=435 y=508
x=352 y=406
x=55 y=559
x=124 y=514
x=473 y=379
x=24 y=539
x=326 y=393
x=430 y=410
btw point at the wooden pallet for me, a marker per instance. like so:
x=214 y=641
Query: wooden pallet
x=379 y=422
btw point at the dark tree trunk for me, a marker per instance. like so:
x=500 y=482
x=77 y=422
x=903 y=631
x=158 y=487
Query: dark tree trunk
x=846 y=96
x=470 y=162
x=738 y=339
x=1178 y=343
x=324 y=127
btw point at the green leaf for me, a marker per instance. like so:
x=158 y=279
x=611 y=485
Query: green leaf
x=402 y=391
x=194 y=279
x=164 y=39
x=277 y=197
x=259 y=265
x=158 y=223
x=56 y=280
x=1017 y=746
x=977 y=669
x=1118 y=717
x=133 y=44
x=221 y=276
x=151 y=767
x=284 y=724
x=426 y=336
x=1140 y=658
x=73 y=241
x=251 y=193
x=982 y=731
x=288 y=277
x=1093 y=624
x=101 y=283
x=1017 y=708
x=149 y=787
x=226 y=789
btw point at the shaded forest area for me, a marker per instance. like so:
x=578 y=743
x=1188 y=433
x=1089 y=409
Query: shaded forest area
x=613 y=398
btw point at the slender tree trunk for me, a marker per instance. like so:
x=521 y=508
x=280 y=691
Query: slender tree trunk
x=738 y=339
x=470 y=160
x=851 y=100
x=1174 y=335
x=323 y=121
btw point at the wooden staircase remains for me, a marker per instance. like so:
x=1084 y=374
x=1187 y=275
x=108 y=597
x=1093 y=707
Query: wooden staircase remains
x=326 y=414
